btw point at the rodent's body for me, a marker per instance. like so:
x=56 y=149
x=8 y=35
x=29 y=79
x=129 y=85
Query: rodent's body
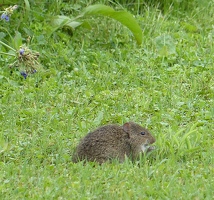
x=114 y=142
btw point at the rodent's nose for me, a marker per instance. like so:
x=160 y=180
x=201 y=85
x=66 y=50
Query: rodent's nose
x=152 y=140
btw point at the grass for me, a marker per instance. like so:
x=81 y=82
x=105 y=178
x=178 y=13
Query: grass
x=101 y=76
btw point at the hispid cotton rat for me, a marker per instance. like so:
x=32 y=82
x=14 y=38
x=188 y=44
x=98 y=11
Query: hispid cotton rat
x=114 y=142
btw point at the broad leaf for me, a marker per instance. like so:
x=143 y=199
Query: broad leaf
x=165 y=45
x=64 y=21
x=17 y=41
x=123 y=17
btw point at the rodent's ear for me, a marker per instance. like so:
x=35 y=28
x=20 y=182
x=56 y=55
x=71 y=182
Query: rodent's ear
x=126 y=127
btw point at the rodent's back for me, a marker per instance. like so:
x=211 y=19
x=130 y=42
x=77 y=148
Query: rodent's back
x=106 y=142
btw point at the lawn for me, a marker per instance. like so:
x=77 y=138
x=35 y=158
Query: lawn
x=91 y=77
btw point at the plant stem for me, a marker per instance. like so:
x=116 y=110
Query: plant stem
x=7 y=46
x=8 y=54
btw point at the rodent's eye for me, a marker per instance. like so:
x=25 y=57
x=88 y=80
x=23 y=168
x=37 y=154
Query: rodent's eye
x=143 y=133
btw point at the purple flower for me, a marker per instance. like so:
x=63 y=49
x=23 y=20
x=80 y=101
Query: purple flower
x=21 y=51
x=34 y=71
x=5 y=17
x=24 y=74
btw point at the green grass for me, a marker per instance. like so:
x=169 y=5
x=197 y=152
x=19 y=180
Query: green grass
x=101 y=76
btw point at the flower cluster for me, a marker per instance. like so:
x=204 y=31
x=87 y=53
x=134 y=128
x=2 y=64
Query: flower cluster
x=28 y=59
x=8 y=12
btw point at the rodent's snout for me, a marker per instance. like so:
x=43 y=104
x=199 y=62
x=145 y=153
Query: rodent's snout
x=152 y=140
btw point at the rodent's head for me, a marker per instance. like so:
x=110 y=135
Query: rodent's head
x=140 y=138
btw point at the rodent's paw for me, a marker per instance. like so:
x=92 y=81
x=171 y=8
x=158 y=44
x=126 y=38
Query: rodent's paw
x=151 y=148
x=147 y=148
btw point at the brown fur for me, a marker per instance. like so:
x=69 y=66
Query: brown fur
x=113 y=141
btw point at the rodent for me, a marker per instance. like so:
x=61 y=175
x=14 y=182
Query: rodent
x=114 y=142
